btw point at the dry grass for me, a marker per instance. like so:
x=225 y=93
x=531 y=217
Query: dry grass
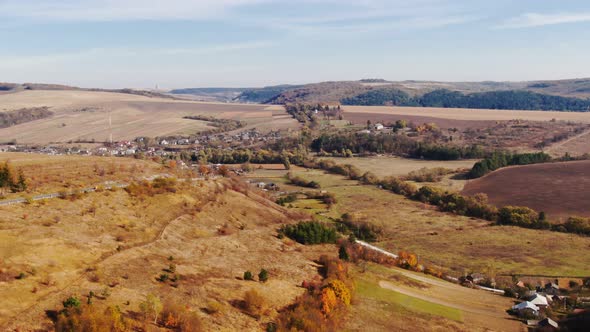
x=395 y=166
x=111 y=240
x=50 y=174
x=559 y=189
x=84 y=115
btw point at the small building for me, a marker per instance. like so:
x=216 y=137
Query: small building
x=379 y=126
x=526 y=307
x=539 y=300
x=548 y=324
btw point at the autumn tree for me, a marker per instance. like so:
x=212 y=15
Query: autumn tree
x=151 y=306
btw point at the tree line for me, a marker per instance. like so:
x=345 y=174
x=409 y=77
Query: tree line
x=12 y=118
x=402 y=145
x=502 y=159
x=510 y=99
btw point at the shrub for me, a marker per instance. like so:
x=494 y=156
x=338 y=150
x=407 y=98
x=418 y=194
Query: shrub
x=248 y=275
x=254 y=303
x=263 y=275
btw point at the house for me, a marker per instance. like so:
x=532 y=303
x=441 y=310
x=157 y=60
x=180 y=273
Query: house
x=526 y=306
x=548 y=324
x=520 y=284
x=539 y=300
x=379 y=126
x=164 y=142
x=552 y=288
x=261 y=185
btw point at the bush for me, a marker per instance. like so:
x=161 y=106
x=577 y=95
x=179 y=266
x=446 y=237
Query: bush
x=248 y=275
x=263 y=275
x=254 y=303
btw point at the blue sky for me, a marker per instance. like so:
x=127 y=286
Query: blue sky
x=200 y=43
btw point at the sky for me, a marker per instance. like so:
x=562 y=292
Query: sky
x=251 y=43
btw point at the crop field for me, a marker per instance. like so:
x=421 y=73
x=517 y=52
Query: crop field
x=459 y=114
x=457 y=243
x=558 y=189
x=84 y=115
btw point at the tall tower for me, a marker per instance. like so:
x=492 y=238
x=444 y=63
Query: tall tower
x=110 y=128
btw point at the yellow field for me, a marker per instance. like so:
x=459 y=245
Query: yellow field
x=85 y=115
x=471 y=114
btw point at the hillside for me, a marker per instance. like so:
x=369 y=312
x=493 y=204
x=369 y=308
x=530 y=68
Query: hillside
x=77 y=115
x=117 y=244
x=535 y=95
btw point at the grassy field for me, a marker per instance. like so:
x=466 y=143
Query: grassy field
x=85 y=115
x=398 y=300
x=559 y=189
x=459 y=244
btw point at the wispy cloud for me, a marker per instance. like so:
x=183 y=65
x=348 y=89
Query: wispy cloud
x=530 y=20
x=116 y=10
x=22 y=61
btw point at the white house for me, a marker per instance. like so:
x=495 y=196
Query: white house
x=526 y=306
x=539 y=300
x=379 y=126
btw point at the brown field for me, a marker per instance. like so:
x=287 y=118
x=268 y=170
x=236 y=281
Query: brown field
x=83 y=115
x=559 y=189
x=469 y=114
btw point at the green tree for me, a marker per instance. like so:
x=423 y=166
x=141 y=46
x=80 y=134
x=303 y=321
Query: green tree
x=248 y=275
x=343 y=254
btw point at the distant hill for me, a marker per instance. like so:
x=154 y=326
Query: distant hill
x=246 y=95
x=563 y=95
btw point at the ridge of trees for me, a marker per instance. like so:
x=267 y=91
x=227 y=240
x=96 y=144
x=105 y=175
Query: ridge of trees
x=13 y=118
x=12 y=180
x=502 y=159
x=506 y=100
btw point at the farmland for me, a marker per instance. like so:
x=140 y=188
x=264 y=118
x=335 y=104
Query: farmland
x=461 y=115
x=558 y=189
x=84 y=115
x=460 y=244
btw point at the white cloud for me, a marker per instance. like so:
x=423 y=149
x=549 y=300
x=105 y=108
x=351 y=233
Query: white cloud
x=530 y=20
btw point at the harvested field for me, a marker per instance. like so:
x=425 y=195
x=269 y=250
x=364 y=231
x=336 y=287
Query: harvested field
x=84 y=115
x=559 y=189
x=575 y=146
x=387 y=166
x=469 y=114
